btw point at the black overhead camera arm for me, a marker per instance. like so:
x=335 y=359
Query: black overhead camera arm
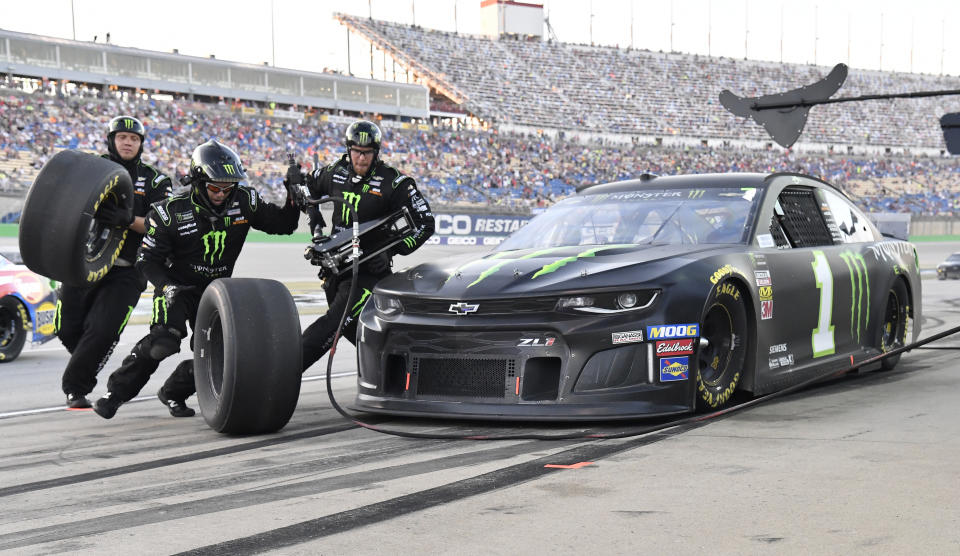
x=784 y=115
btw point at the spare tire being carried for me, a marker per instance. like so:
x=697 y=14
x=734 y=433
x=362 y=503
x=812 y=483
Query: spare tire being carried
x=247 y=355
x=59 y=237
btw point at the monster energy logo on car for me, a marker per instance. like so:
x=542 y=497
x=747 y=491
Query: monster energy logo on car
x=351 y=199
x=214 y=242
x=859 y=284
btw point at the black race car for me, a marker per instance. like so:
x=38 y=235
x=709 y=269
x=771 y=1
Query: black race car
x=646 y=297
x=949 y=268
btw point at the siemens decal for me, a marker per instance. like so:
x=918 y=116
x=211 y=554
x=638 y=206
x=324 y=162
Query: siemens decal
x=477 y=224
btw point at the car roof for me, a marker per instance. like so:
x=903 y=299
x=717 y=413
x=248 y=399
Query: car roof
x=730 y=179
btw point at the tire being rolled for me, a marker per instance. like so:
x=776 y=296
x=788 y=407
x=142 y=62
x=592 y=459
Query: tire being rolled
x=59 y=237
x=247 y=356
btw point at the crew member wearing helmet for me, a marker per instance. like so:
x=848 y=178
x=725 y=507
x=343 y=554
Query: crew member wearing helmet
x=375 y=190
x=192 y=239
x=90 y=319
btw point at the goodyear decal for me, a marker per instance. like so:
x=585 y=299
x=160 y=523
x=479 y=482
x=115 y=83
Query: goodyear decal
x=859 y=285
x=725 y=270
x=668 y=331
x=554 y=266
x=674 y=368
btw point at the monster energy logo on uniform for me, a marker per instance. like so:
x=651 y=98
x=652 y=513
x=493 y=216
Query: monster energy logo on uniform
x=214 y=243
x=351 y=199
x=159 y=306
x=859 y=281
x=359 y=304
x=409 y=241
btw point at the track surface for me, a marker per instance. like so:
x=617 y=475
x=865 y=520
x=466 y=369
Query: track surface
x=862 y=463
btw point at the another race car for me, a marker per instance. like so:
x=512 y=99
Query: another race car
x=949 y=268
x=28 y=306
x=646 y=297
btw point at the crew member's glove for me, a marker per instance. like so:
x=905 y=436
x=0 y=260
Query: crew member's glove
x=111 y=214
x=170 y=292
x=294 y=175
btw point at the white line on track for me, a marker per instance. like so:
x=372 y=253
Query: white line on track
x=25 y=412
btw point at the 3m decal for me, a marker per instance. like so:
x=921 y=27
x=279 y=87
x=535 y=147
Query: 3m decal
x=674 y=368
x=766 y=309
x=674 y=347
x=668 y=331
x=628 y=337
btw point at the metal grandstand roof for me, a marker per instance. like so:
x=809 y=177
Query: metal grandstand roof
x=37 y=56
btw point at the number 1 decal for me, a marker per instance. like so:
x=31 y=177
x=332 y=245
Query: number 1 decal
x=823 y=342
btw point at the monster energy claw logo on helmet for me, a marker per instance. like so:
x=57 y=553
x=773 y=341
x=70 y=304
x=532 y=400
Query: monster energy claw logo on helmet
x=364 y=134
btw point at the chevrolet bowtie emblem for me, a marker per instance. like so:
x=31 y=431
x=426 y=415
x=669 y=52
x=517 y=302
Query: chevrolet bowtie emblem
x=463 y=308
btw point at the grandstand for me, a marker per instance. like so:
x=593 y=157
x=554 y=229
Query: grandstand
x=542 y=135
x=546 y=84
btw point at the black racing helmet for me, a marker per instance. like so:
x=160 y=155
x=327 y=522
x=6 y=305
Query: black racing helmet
x=128 y=124
x=364 y=134
x=214 y=161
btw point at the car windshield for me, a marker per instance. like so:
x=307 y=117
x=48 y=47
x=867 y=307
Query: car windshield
x=955 y=258
x=664 y=216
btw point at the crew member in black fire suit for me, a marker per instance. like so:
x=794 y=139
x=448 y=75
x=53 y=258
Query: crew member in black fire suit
x=89 y=320
x=375 y=190
x=191 y=240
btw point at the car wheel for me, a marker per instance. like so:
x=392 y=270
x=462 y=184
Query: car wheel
x=893 y=326
x=14 y=324
x=59 y=237
x=723 y=346
x=247 y=356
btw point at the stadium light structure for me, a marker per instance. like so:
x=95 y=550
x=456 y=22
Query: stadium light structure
x=784 y=115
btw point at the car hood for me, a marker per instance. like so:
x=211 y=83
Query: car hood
x=546 y=271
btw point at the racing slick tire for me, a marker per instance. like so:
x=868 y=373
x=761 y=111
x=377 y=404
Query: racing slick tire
x=723 y=346
x=893 y=324
x=14 y=324
x=59 y=237
x=247 y=356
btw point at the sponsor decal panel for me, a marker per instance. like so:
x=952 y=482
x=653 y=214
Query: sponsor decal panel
x=668 y=331
x=674 y=368
x=46 y=315
x=628 y=337
x=669 y=348
x=778 y=348
x=763 y=277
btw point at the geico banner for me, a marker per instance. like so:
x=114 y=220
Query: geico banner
x=464 y=240
x=478 y=224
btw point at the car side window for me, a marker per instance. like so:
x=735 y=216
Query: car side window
x=798 y=216
x=847 y=222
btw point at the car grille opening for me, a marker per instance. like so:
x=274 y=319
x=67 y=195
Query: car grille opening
x=470 y=378
x=541 y=379
x=418 y=306
x=395 y=375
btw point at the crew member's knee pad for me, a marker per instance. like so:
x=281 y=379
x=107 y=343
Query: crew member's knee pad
x=164 y=342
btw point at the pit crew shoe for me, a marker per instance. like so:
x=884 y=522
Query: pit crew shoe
x=77 y=401
x=107 y=407
x=178 y=408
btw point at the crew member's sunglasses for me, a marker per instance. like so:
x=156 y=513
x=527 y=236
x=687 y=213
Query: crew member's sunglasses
x=360 y=152
x=220 y=188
